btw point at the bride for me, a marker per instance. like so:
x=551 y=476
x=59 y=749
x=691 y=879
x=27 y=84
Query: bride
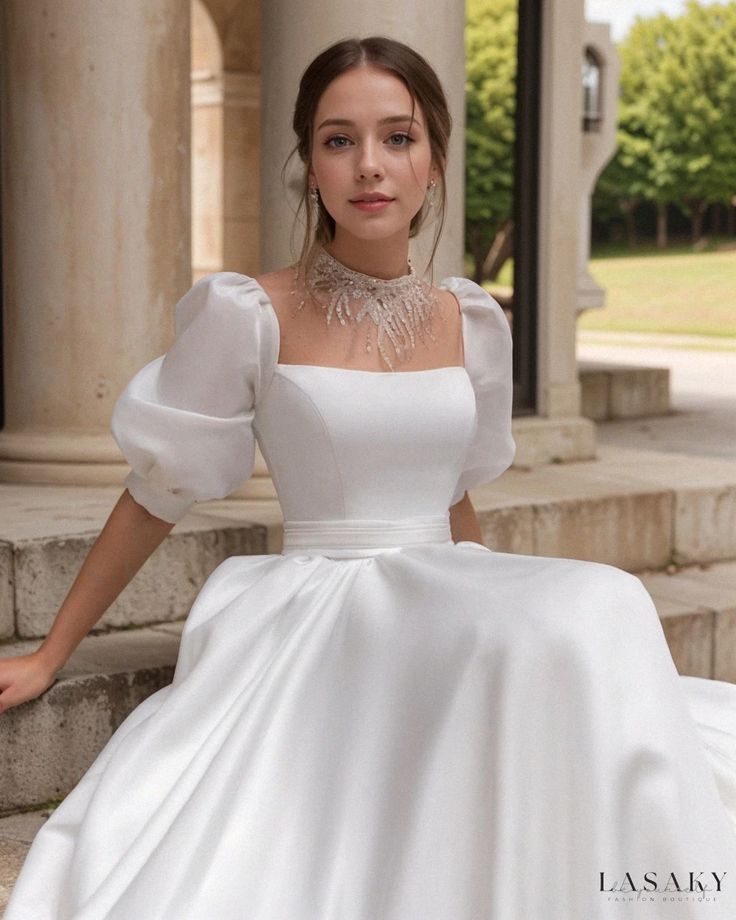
x=386 y=720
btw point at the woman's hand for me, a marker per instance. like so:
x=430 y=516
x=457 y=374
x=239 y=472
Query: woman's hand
x=23 y=678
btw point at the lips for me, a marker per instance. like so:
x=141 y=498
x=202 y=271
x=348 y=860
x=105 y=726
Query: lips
x=372 y=205
x=368 y=198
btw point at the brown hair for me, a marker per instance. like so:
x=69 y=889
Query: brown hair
x=424 y=87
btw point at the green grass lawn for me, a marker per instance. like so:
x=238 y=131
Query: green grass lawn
x=651 y=290
x=675 y=290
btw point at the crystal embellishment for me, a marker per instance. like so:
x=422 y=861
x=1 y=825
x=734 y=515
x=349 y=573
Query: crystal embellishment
x=401 y=308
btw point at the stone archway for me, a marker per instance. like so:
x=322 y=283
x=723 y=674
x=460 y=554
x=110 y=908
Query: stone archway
x=207 y=144
x=225 y=136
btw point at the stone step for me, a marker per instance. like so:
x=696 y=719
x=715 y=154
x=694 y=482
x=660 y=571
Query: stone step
x=16 y=835
x=46 y=533
x=47 y=744
x=631 y=508
x=618 y=391
x=635 y=509
x=697 y=609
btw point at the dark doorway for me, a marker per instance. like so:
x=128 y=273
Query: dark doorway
x=503 y=77
x=526 y=206
x=2 y=289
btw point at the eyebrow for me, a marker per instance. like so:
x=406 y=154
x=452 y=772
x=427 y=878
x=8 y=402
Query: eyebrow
x=391 y=119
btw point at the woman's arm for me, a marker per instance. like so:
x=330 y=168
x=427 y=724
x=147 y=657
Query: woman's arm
x=463 y=521
x=128 y=538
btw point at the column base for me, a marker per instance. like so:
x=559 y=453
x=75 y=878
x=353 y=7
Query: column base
x=553 y=440
x=85 y=458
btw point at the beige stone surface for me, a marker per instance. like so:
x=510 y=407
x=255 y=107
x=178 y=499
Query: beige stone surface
x=41 y=511
x=709 y=593
x=685 y=588
x=617 y=391
x=559 y=223
x=162 y=589
x=16 y=835
x=12 y=854
x=47 y=743
x=719 y=573
x=597 y=148
x=639 y=392
x=508 y=530
x=724 y=658
x=7 y=620
x=47 y=531
x=690 y=637
x=594 y=391
x=96 y=215
x=705 y=523
x=22 y=827
x=628 y=531
x=671 y=470
x=552 y=440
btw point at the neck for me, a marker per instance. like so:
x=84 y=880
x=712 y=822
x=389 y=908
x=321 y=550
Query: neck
x=386 y=258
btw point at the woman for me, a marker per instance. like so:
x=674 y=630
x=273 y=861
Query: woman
x=386 y=721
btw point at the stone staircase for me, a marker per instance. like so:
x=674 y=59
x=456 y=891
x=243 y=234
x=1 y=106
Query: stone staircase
x=615 y=391
x=669 y=518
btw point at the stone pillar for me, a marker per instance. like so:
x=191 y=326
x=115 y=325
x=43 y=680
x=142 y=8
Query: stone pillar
x=293 y=34
x=226 y=167
x=597 y=149
x=96 y=220
x=241 y=172
x=559 y=196
x=225 y=144
x=207 y=195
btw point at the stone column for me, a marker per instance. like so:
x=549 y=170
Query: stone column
x=96 y=220
x=225 y=142
x=597 y=149
x=241 y=168
x=292 y=35
x=559 y=225
x=226 y=167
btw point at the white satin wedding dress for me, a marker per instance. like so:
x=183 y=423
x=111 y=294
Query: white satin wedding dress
x=378 y=723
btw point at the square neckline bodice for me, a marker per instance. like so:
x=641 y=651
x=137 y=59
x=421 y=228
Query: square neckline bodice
x=357 y=370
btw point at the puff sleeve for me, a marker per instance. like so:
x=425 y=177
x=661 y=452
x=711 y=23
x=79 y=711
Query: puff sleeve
x=488 y=361
x=184 y=421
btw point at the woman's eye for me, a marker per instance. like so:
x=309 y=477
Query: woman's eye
x=398 y=139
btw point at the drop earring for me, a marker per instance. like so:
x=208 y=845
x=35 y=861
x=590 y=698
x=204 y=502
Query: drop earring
x=314 y=195
x=431 y=193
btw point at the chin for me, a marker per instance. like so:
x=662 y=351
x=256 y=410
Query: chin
x=375 y=229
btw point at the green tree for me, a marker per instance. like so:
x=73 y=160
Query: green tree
x=695 y=114
x=490 y=93
x=677 y=109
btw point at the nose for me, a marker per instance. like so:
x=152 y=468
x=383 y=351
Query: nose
x=369 y=162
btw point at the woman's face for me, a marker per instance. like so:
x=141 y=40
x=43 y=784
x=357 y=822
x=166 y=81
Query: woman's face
x=366 y=146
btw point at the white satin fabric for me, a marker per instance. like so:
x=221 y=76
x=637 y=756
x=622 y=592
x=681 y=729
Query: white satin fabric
x=378 y=723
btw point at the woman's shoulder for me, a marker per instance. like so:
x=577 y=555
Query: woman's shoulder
x=465 y=288
x=227 y=293
x=278 y=286
x=228 y=306
x=474 y=300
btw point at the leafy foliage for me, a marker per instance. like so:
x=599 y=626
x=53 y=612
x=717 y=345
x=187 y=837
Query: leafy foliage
x=677 y=111
x=490 y=92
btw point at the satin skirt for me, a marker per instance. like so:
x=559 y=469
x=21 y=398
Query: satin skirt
x=416 y=730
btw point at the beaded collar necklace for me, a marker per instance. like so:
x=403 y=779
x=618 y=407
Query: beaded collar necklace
x=401 y=307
